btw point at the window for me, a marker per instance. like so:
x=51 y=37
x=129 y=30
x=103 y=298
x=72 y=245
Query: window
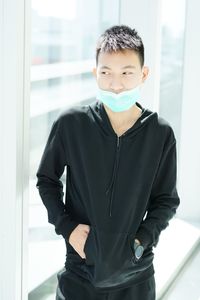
x=64 y=34
x=172 y=47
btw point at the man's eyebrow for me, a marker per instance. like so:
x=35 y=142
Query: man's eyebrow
x=105 y=67
x=125 y=67
x=129 y=67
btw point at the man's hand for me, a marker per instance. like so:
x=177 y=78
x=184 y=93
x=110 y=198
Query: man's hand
x=78 y=238
x=137 y=241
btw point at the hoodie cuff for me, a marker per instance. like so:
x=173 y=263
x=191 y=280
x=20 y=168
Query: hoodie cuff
x=143 y=236
x=65 y=227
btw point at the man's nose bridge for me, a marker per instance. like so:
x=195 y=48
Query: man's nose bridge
x=116 y=82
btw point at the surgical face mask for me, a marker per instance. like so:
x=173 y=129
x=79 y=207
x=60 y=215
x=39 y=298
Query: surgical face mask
x=119 y=102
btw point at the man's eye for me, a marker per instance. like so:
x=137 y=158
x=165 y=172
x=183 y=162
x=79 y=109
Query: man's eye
x=104 y=73
x=127 y=73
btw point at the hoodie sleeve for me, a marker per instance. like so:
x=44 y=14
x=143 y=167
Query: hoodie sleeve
x=164 y=198
x=51 y=168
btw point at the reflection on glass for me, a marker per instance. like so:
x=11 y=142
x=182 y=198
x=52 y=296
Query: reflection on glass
x=64 y=34
x=173 y=26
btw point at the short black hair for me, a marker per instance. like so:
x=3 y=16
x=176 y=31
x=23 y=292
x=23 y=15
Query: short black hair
x=119 y=37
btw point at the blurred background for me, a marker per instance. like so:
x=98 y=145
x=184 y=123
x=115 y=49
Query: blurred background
x=47 y=55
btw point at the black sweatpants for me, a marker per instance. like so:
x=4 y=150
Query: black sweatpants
x=73 y=287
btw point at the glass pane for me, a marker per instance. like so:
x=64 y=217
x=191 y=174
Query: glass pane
x=172 y=47
x=64 y=35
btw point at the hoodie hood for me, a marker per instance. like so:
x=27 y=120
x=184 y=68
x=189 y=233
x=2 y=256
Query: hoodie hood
x=101 y=117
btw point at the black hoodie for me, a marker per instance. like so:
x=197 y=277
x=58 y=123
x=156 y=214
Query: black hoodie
x=123 y=187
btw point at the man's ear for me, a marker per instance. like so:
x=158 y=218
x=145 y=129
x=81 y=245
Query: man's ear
x=145 y=72
x=94 y=71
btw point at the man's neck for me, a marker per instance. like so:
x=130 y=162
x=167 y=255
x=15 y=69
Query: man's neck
x=121 y=119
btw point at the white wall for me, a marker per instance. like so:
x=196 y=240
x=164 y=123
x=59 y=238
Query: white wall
x=145 y=17
x=189 y=178
x=13 y=153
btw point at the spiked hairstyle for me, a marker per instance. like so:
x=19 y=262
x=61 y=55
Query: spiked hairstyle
x=120 y=37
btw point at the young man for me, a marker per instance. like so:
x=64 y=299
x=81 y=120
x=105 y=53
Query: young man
x=121 y=179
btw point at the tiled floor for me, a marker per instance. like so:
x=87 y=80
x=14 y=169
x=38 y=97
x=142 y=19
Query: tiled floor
x=46 y=291
x=187 y=286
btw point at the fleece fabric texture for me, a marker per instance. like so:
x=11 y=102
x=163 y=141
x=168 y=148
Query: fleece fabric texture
x=123 y=187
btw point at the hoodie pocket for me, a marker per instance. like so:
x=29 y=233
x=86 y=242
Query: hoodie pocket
x=105 y=246
x=110 y=257
x=89 y=246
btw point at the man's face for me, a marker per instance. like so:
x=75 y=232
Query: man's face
x=119 y=71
